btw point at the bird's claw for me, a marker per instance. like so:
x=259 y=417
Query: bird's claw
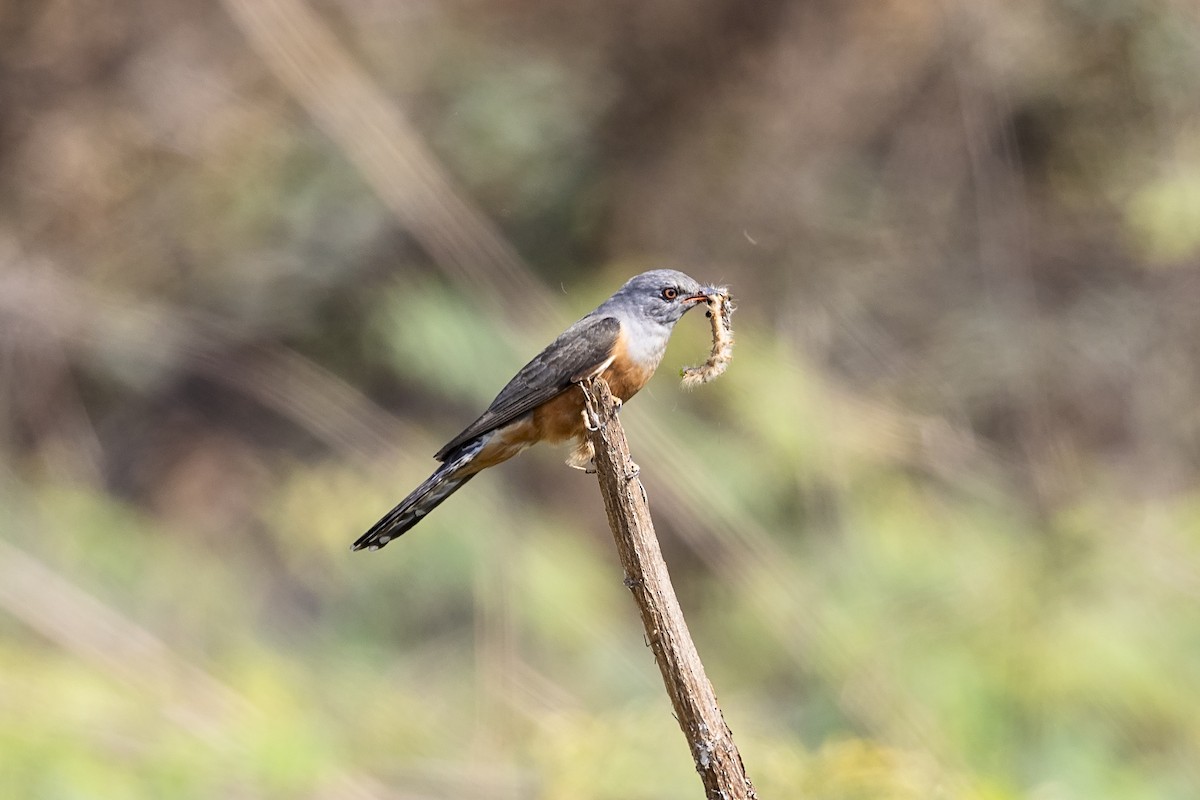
x=591 y=420
x=633 y=471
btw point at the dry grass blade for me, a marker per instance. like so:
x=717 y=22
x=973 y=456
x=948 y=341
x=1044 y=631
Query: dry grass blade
x=389 y=153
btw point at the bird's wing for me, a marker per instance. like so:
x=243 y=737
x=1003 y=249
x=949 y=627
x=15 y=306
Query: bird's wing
x=581 y=350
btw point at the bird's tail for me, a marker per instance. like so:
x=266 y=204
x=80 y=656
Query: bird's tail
x=426 y=497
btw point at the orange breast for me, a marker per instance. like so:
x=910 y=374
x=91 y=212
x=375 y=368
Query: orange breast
x=554 y=421
x=560 y=418
x=624 y=377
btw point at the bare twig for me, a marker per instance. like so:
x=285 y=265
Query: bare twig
x=709 y=738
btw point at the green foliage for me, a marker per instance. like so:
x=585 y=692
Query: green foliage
x=1039 y=651
x=1164 y=217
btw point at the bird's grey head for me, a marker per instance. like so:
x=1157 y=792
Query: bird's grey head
x=661 y=295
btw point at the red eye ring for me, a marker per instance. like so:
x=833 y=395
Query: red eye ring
x=670 y=293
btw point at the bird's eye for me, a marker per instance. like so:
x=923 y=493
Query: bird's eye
x=670 y=293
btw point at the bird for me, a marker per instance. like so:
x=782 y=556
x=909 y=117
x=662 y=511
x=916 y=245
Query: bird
x=623 y=341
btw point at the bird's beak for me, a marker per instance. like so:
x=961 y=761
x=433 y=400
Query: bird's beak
x=702 y=295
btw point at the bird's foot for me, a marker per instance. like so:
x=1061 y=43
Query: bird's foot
x=591 y=417
x=633 y=471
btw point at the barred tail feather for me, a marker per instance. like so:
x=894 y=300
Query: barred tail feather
x=426 y=497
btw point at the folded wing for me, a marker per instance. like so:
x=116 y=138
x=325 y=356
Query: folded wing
x=581 y=350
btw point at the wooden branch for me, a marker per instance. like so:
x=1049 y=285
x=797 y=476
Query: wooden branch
x=709 y=738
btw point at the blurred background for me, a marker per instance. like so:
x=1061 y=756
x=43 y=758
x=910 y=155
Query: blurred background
x=936 y=532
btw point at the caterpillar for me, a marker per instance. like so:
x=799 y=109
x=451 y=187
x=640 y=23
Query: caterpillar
x=720 y=309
